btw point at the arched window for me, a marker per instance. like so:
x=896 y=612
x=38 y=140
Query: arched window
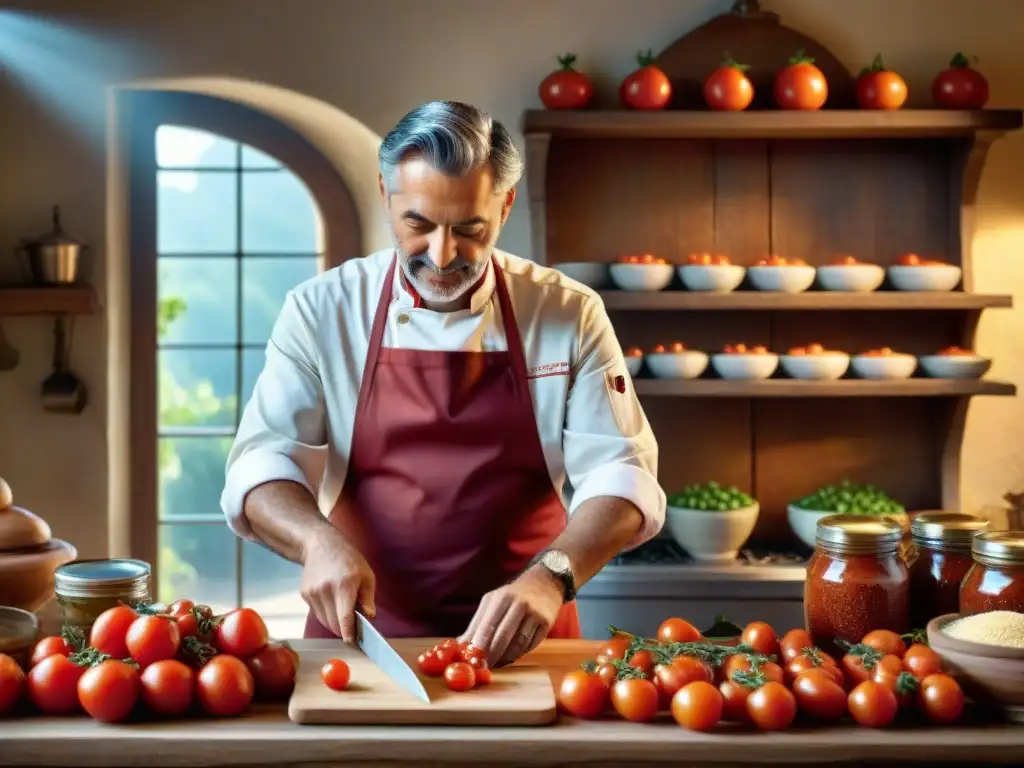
x=221 y=231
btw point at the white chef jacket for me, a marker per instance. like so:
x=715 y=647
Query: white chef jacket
x=298 y=424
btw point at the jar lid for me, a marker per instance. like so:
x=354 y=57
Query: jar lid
x=950 y=528
x=999 y=547
x=859 y=533
x=103 y=574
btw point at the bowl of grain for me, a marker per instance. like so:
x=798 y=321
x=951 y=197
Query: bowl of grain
x=985 y=653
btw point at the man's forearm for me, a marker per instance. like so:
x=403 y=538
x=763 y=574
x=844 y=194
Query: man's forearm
x=285 y=516
x=597 y=532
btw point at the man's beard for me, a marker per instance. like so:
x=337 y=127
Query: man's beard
x=418 y=268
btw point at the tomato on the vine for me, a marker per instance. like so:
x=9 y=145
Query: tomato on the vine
x=794 y=642
x=859 y=665
x=108 y=692
x=53 y=685
x=760 y=636
x=607 y=672
x=635 y=699
x=812 y=658
x=903 y=684
x=613 y=649
x=224 y=686
x=273 y=670
x=800 y=84
x=677 y=630
x=941 y=698
x=335 y=674
x=880 y=88
x=460 y=676
x=818 y=695
x=647 y=87
x=734 y=697
x=12 y=683
x=152 y=638
x=48 y=646
x=960 y=86
x=566 y=88
x=921 y=661
x=167 y=687
x=242 y=633
x=728 y=88
x=771 y=707
x=885 y=641
x=872 y=704
x=669 y=678
x=698 y=706
x=180 y=608
x=642 y=660
x=109 y=632
x=583 y=694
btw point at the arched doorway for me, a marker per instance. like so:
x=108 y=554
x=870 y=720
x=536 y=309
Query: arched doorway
x=229 y=209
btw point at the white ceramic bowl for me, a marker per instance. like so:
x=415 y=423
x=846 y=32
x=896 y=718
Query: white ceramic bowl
x=955 y=366
x=896 y=366
x=717 y=278
x=796 y=278
x=748 y=366
x=642 y=277
x=711 y=535
x=822 y=367
x=593 y=274
x=938 y=277
x=633 y=365
x=804 y=523
x=677 y=365
x=858 y=278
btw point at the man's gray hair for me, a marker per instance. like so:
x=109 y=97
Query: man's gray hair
x=455 y=138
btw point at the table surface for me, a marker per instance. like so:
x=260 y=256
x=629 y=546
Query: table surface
x=266 y=737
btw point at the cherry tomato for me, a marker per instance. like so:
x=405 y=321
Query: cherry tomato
x=885 y=641
x=903 y=684
x=794 y=642
x=800 y=85
x=811 y=658
x=53 y=685
x=152 y=638
x=858 y=670
x=727 y=88
x=614 y=649
x=167 y=687
x=335 y=674
x=771 y=707
x=635 y=699
x=647 y=87
x=12 y=683
x=761 y=637
x=960 y=86
x=941 y=698
x=471 y=652
x=694 y=668
x=459 y=676
x=224 y=686
x=48 y=646
x=669 y=678
x=608 y=673
x=241 y=633
x=188 y=625
x=431 y=663
x=109 y=631
x=180 y=608
x=477 y=663
x=872 y=704
x=566 y=88
x=818 y=695
x=677 y=631
x=448 y=652
x=583 y=694
x=109 y=690
x=880 y=88
x=644 y=661
x=698 y=706
x=483 y=675
x=921 y=661
x=273 y=671
x=734 y=697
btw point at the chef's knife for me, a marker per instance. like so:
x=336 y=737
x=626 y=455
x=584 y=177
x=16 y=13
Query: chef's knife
x=380 y=652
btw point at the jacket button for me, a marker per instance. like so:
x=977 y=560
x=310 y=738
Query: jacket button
x=403 y=319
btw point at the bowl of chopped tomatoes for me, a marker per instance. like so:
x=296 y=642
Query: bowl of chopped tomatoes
x=742 y=362
x=848 y=274
x=883 y=363
x=815 y=363
x=913 y=273
x=955 y=363
x=676 y=361
x=711 y=272
x=642 y=273
x=634 y=357
x=779 y=274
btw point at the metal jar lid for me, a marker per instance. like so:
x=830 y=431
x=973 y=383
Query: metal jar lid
x=102 y=578
x=859 y=534
x=999 y=548
x=946 y=530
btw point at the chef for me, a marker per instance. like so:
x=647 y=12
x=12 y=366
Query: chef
x=444 y=435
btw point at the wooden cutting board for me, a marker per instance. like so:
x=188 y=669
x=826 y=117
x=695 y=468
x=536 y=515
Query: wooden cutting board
x=518 y=695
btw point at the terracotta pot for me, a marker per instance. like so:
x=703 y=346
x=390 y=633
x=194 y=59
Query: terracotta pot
x=28 y=556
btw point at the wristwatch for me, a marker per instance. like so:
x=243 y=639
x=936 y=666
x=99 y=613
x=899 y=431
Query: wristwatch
x=557 y=564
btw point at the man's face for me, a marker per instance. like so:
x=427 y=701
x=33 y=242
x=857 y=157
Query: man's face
x=444 y=228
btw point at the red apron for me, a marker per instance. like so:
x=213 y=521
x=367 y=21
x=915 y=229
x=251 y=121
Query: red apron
x=447 y=494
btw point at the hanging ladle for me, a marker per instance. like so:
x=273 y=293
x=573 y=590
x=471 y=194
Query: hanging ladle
x=62 y=392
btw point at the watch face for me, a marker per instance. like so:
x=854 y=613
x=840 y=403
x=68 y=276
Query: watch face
x=557 y=561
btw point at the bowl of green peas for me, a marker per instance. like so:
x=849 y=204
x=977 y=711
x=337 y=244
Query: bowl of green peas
x=843 y=498
x=711 y=521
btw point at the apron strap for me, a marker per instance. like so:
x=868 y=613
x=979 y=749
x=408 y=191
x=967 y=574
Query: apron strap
x=513 y=339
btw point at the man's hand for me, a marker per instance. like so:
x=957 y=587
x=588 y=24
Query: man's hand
x=512 y=621
x=336 y=580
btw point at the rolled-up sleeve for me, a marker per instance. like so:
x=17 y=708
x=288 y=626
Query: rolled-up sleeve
x=282 y=434
x=608 y=444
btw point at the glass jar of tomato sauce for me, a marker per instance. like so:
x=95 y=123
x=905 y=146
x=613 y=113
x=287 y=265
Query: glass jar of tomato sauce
x=856 y=581
x=995 y=581
x=942 y=541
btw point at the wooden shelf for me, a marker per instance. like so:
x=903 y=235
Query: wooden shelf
x=841 y=388
x=771 y=124
x=811 y=300
x=71 y=300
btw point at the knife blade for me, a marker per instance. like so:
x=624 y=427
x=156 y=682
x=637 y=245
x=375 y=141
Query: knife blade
x=379 y=651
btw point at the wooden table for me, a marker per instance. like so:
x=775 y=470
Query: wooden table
x=265 y=737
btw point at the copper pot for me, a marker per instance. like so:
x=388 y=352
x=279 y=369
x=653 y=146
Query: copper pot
x=28 y=556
